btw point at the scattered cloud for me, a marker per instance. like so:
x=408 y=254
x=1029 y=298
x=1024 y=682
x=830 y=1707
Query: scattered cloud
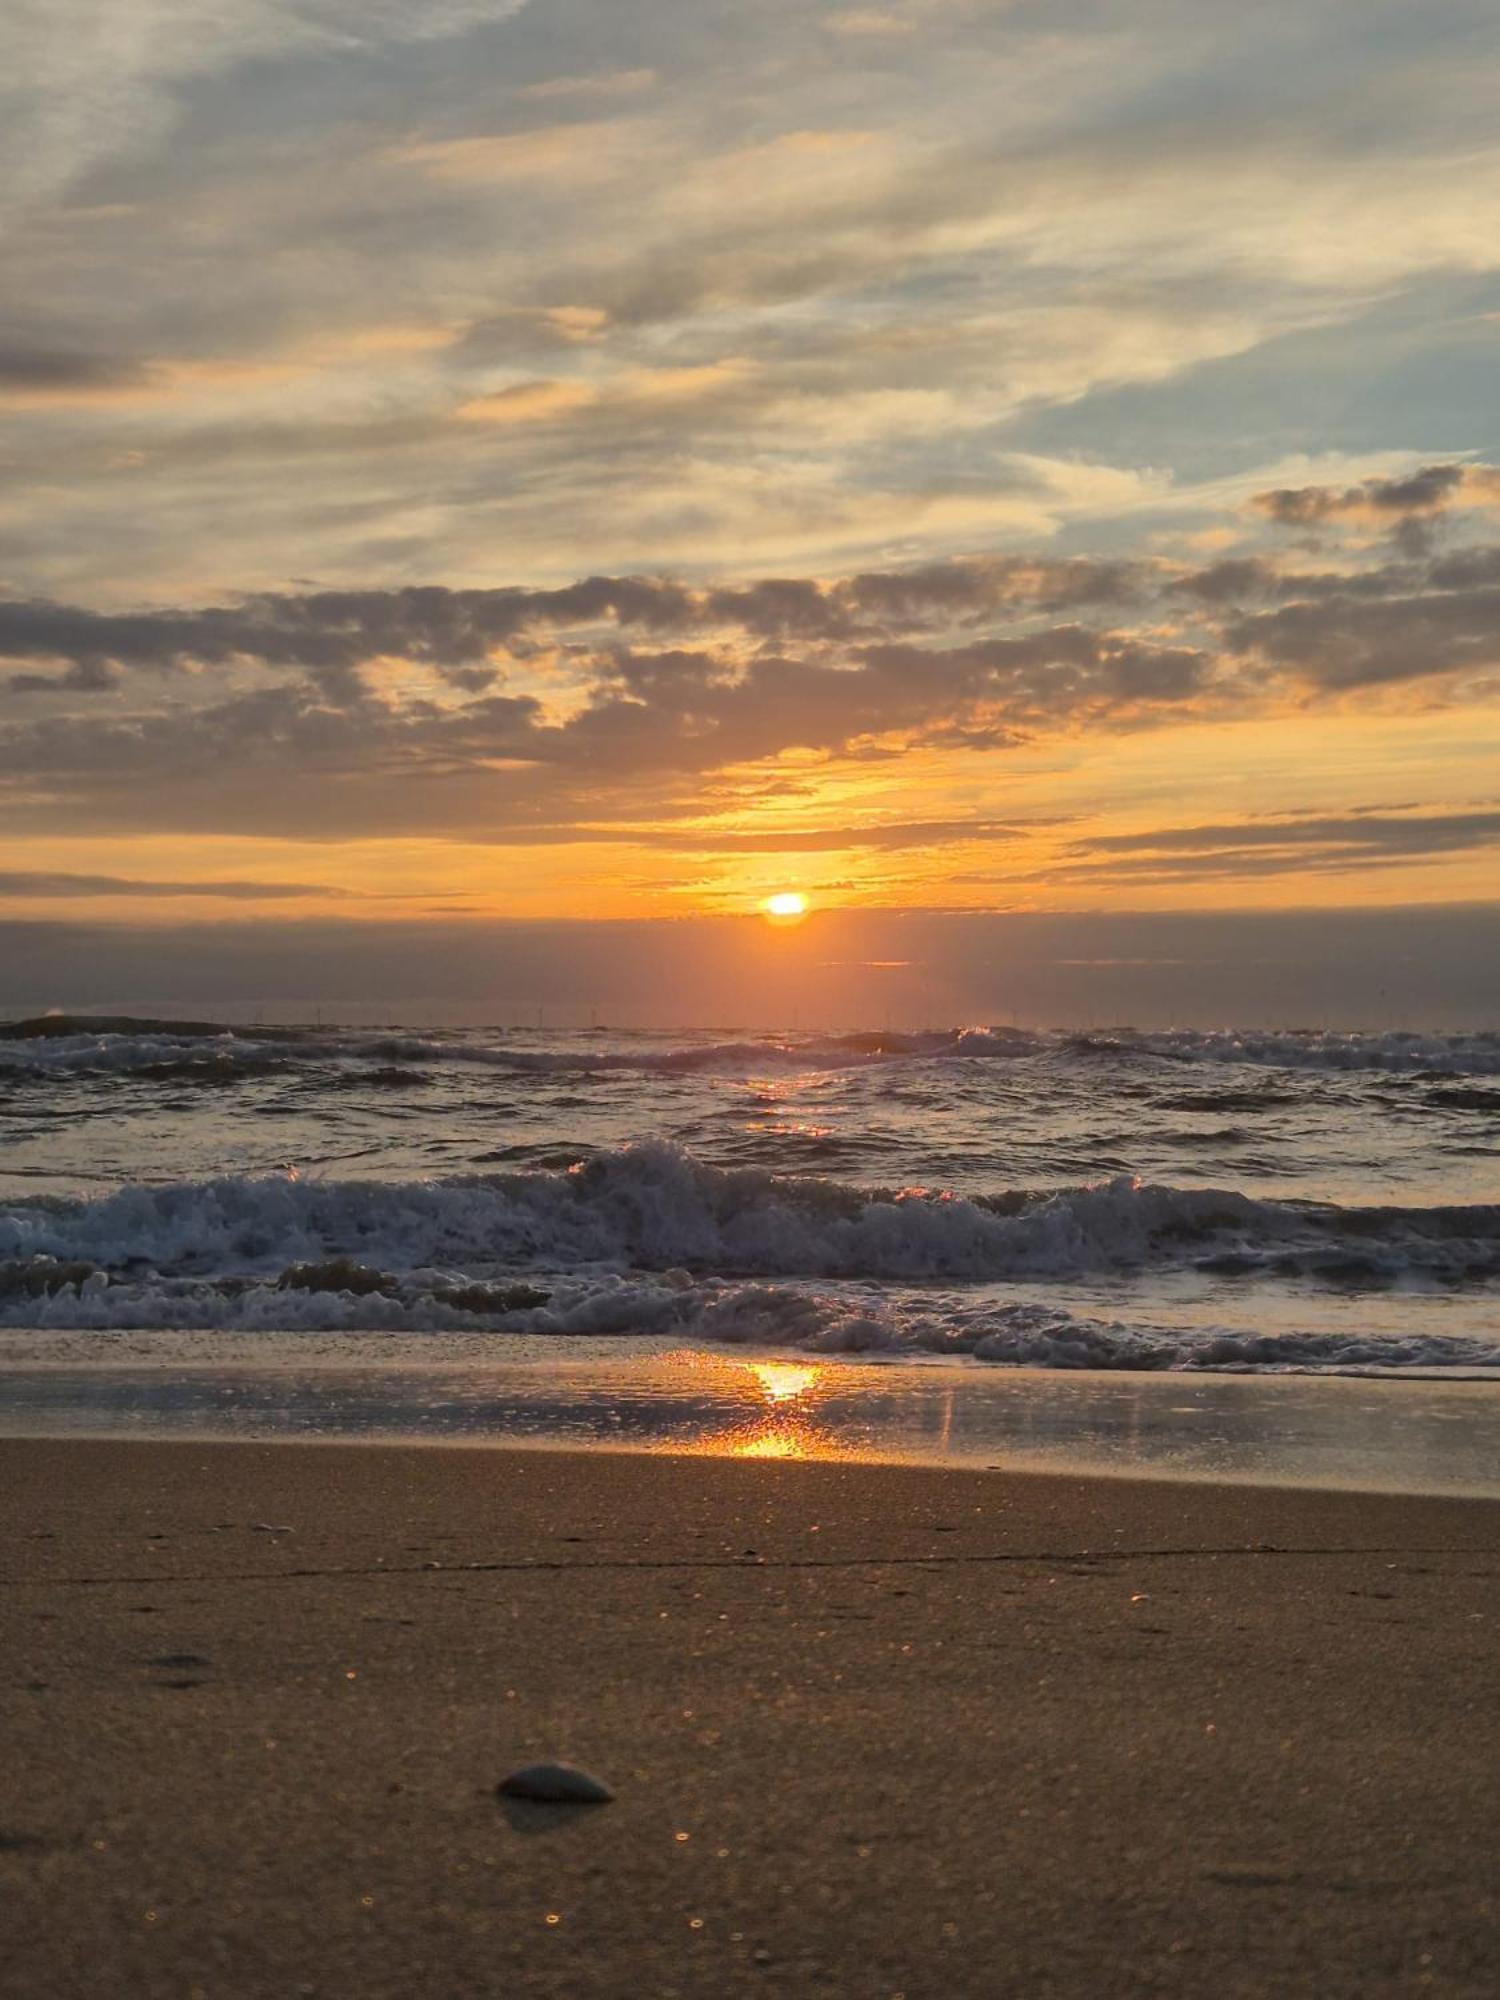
x=1404 y=832
x=610 y=83
x=1303 y=843
x=1410 y=506
x=1348 y=641
x=21 y=883
x=887 y=836
x=31 y=371
x=575 y=153
x=738 y=431
x=103 y=81
x=521 y=713
x=528 y=403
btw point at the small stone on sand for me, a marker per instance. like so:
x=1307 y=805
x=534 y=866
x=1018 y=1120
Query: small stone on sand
x=555 y=1785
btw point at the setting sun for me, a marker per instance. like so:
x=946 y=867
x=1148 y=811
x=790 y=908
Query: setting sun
x=787 y=907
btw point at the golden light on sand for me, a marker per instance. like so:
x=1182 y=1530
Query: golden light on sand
x=788 y=906
x=778 y=1434
x=784 y=1443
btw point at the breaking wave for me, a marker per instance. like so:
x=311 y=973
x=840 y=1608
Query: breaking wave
x=649 y=1240
x=652 y=1205
x=814 y=1319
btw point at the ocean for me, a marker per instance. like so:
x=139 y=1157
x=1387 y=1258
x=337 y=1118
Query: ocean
x=1173 y=1201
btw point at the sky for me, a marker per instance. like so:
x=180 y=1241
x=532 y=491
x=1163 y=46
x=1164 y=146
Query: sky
x=494 y=490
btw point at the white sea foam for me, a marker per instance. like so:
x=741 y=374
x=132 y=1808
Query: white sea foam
x=653 y=1206
x=892 y=1322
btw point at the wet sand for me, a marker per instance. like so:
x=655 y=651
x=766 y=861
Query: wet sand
x=873 y=1730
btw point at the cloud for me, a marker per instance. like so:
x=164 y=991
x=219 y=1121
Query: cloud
x=41 y=377
x=32 y=370
x=1229 y=582
x=103 y=79
x=870 y=21
x=506 y=709
x=643 y=388
x=888 y=836
x=609 y=83
x=340 y=630
x=21 y=883
x=1432 y=489
x=596 y=709
x=528 y=403
x=1405 y=832
x=577 y=153
x=910 y=243
x=1346 y=641
x=1302 y=843
x=643 y=710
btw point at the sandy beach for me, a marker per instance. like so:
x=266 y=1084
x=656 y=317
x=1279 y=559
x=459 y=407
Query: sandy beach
x=873 y=1731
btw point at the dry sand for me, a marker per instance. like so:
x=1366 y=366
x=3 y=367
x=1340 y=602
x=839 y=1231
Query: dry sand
x=873 y=1731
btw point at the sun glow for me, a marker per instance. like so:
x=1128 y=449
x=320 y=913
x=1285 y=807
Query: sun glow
x=787 y=907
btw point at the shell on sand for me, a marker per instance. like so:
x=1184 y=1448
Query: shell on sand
x=555 y=1784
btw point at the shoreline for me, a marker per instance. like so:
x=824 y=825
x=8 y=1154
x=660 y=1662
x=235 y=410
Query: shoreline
x=1319 y=1432
x=1084 y=1470
x=872 y=1728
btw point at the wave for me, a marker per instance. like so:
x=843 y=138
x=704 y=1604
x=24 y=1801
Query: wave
x=893 y=1323
x=165 y=1052
x=60 y=1045
x=74 y=1027
x=655 y=1207
x=1399 y=1053
x=1438 y=1056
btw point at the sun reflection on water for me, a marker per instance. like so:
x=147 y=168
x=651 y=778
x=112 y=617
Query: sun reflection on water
x=784 y=1381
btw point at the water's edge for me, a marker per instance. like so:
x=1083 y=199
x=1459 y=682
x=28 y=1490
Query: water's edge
x=1387 y=1436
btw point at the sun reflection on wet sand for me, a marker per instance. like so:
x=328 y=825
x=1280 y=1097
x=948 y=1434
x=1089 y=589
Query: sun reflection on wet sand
x=775 y=1435
x=777 y=1441
x=784 y=1426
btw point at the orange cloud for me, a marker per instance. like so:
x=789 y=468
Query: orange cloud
x=588 y=150
x=528 y=403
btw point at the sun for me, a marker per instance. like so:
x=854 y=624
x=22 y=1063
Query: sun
x=786 y=908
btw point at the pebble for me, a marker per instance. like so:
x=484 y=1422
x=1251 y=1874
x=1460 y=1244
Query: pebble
x=555 y=1785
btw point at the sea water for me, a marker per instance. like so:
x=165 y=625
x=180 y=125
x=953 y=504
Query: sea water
x=1164 y=1204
